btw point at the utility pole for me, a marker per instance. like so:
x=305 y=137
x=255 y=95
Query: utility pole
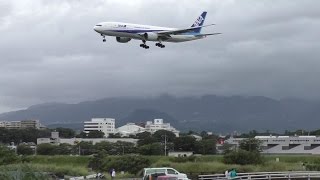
x=165 y=144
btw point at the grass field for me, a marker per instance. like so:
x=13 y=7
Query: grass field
x=78 y=165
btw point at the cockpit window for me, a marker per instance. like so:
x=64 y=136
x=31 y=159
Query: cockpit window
x=98 y=25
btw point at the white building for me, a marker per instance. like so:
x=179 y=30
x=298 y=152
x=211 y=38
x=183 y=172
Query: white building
x=56 y=140
x=285 y=144
x=159 y=125
x=106 y=125
x=130 y=129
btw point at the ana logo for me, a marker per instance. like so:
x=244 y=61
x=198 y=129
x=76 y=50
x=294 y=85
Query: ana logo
x=198 y=21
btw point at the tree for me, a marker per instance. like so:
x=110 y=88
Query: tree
x=64 y=149
x=315 y=133
x=65 y=132
x=204 y=134
x=249 y=153
x=97 y=161
x=151 y=149
x=143 y=135
x=7 y=156
x=146 y=141
x=185 y=143
x=85 y=148
x=206 y=146
x=82 y=135
x=251 y=145
x=23 y=149
x=227 y=148
x=95 y=134
x=103 y=146
x=21 y=135
x=46 y=149
x=122 y=147
x=242 y=157
x=161 y=134
x=116 y=135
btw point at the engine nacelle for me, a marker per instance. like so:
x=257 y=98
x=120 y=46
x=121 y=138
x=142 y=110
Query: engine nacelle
x=123 y=39
x=151 y=36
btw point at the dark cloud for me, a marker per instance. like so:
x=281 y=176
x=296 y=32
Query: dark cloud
x=49 y=51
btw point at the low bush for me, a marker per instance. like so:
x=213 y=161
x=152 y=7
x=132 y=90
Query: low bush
x=242 y=157
x=130 y=164
x=7 y=156
x=183 y=159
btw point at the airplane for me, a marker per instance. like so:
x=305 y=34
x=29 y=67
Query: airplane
x=124 y=32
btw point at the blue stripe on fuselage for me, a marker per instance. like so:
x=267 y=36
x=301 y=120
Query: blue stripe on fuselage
x=136 y=31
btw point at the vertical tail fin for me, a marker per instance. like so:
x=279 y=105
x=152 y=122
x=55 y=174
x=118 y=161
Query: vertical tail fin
x=199 y=22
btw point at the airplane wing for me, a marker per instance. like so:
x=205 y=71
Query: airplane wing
x=204 y=35
x=181 y=31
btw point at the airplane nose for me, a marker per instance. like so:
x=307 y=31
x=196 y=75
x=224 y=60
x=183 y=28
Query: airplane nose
x=95 y=28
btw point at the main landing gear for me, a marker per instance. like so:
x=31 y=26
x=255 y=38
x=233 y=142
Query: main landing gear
x=143 y=45
x=160 y=45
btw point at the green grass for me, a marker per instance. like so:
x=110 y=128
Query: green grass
x=78 y=165
x=294 y=158
x=60 y=160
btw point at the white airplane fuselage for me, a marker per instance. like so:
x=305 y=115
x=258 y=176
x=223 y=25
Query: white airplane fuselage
x=136 y=31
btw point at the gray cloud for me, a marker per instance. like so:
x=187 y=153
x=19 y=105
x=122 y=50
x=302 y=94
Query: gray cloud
x=49 y=51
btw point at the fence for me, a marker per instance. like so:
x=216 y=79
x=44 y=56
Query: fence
x=267 y=175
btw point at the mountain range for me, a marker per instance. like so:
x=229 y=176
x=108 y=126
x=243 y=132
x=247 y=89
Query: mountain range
x=219 y=114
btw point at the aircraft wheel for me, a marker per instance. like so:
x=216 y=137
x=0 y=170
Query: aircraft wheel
x=104 y=40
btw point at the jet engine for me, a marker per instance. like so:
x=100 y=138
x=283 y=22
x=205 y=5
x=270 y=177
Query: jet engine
x=123 y=39
x=151 y=36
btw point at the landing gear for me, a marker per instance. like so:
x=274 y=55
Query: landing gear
x=160 y=45
x=104 y=38
x=143 y=45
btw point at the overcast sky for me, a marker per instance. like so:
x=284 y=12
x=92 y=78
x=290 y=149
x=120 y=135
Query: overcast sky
x=50 y=53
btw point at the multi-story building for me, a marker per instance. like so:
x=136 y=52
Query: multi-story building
x=30 y=124
x=56 y=140
x=105 y=125
x=14 y=125
x=159 y=125
x=285 y=144
x=21 y=124
x=130 y=129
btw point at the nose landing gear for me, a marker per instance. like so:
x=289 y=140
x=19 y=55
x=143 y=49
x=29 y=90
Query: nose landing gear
x=104 y=38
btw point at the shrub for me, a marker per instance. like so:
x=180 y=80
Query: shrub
x=24 y=150
x=7 y=156
x=242 y=157
x=131 y=164
x=183 y=159
x=313 y=167
x=46 y=149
